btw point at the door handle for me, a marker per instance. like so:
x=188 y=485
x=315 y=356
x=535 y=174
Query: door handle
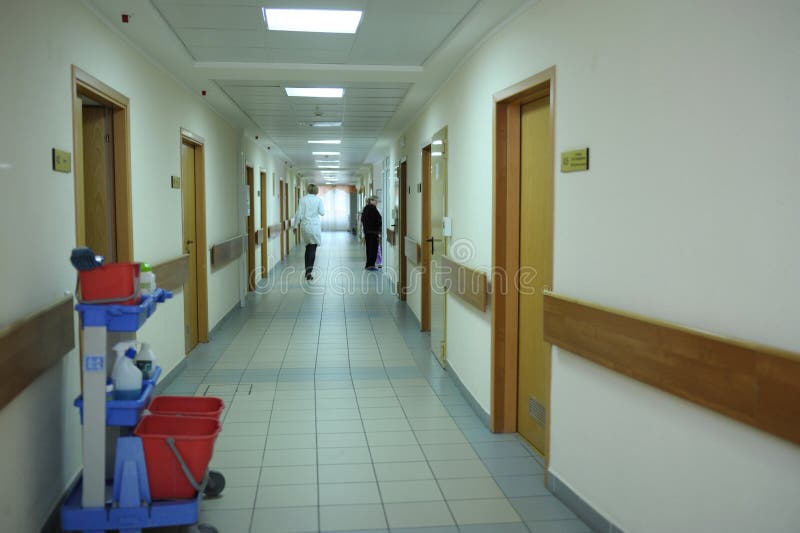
x=431 y=240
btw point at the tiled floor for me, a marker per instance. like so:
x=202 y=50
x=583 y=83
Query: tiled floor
x=339 y=419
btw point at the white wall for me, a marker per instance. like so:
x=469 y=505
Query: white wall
x=275 y=167
x=39 y=429
x=686 y=215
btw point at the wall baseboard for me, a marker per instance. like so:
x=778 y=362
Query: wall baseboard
x=579 y=506
x=471 y=401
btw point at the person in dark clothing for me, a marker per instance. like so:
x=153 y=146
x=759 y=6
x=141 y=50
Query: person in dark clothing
x=373 y=224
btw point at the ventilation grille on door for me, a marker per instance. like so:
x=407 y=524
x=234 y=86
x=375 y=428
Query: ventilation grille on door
x=536 y=411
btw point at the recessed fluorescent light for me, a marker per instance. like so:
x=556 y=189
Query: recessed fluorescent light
x=315 y=92
x=327 y=161
x=328 y=141
x=326 y=124
x=325 y=153
x=436 y=154
x=327 y=166
x=312 y=20
x=437 y=142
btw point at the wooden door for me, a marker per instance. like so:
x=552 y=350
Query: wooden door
x=402 y=229
x=98 y=182
x=425 y=247
x=285 y=218
x=189 y=193
x=264 y=260
x=437 y=204
x=282 y=208
x=251 y=232
x=536 y=260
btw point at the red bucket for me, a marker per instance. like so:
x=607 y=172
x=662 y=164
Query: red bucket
x=207 y=406
x=194 y=439
x=113 y=283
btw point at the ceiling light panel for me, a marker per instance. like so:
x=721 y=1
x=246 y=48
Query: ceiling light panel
x=325 y=153
x=326 y=141
x=312 y=20
x=315 y=92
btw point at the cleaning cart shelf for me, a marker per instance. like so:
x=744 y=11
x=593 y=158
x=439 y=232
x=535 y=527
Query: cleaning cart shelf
x=126 y=413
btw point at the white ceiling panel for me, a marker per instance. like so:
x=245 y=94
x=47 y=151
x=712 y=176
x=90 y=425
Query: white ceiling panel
x=318 y=55
x=241 y=54
x=221 y=38
x=211 y=16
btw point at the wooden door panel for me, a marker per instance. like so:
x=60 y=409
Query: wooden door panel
x=190 y=244
x=535 y=271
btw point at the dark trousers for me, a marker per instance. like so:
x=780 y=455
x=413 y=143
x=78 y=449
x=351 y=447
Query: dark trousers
x=371 y=240
x=311 y=254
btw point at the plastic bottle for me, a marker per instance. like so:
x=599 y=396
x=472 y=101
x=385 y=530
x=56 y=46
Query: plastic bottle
x=145 y=361
x=126 y=377
x=147 y=280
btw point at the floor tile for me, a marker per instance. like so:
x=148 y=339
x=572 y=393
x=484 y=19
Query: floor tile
x=483 y=511
x=348 y=493
x=346 y=473
x=351 y=517
x=470 y=488
x=288 y=475
x=231 y=498
x=408 y=515
x=410 y=491
x=227 y=519
x=291 y=520
x=403 y=471
x=286 y=496
x=541 y=508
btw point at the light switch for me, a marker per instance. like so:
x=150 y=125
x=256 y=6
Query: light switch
x=176 y=182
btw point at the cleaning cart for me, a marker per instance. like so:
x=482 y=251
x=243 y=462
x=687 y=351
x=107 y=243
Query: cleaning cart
x=114 y=490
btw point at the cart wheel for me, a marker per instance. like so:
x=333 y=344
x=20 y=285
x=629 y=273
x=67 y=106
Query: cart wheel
x=216 y=482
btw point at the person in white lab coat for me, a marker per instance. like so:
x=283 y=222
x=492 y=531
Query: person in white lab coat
x=307 y=219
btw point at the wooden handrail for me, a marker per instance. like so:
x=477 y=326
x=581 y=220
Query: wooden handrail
x=752 y=383
x=31 y=346
x=227 y=251
x=172 y=275
x=471 y=285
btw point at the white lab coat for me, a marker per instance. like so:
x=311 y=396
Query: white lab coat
x=307 y=219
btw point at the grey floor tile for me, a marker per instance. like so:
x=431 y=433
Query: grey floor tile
x=403 y=471
x=470 y=488
x=521 y=486
x=415 y=515
x=286 y=496
x=410 y=491
x=352 y=517
x=346 y=473
x=291 y=520
x=231 y=498
x=349 y=493
x=489 y=511
x=227 y=519
x=288 y=475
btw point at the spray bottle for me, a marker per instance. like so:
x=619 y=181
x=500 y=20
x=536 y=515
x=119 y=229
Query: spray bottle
x=145 y=360
x=126 y=377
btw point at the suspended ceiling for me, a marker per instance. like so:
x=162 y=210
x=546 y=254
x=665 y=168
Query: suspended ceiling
x=402 y=52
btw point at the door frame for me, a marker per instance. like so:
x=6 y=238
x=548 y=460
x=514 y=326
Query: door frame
x=250 y=181
x=281 y=218
x=201 y=267
x=402 y=283
x=505 y=252
x=84 y=84
x=425 y=285
x=264 y=259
